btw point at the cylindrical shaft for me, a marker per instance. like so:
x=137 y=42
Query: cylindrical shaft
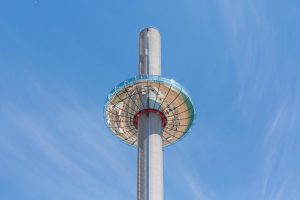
x=149 y=52
x=150 y=153
x=150 y=158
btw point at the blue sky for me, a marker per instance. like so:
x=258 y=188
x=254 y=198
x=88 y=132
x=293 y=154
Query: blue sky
x=238 y=59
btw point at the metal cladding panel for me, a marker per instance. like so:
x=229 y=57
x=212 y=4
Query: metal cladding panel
x=149 y=52
x=163 y=94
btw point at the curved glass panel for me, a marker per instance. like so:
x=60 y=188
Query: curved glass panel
x=149 y=92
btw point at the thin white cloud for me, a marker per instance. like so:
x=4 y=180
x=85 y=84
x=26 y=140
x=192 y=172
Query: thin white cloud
x=195 y=188
x=64 y=132
x=280 y=144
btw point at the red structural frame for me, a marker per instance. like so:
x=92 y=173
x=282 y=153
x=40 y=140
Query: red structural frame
x=145 y=111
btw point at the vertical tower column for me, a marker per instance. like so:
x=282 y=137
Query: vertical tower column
x=149 y=52
x=150 y=147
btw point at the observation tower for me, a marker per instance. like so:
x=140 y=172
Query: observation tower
x=150 y=112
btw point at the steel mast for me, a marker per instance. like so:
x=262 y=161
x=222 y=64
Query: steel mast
x=150 y=153
x=150 y=112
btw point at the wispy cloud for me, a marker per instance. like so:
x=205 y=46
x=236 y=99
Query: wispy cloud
x=183 y=172
x=268 y=97
x=281 y=164
x=62 y=144
x=196 y=189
